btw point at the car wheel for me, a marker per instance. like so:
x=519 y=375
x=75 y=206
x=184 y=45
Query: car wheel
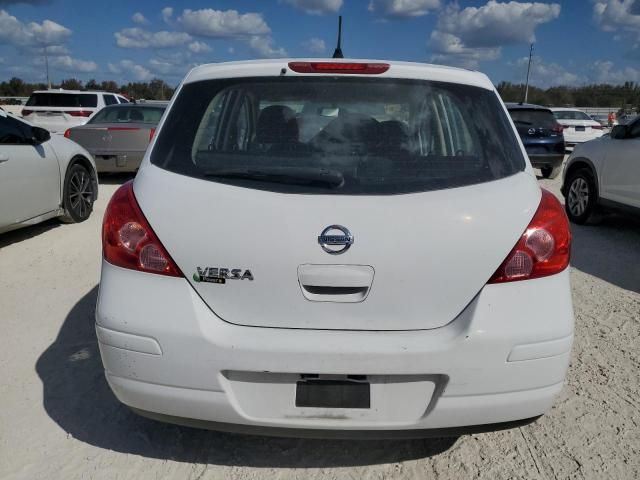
x=550 y=172
x=581 y=196
x=79 y=194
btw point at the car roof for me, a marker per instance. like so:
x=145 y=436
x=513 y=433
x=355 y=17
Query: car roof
x=139 y=105
x=60 y=90
x=564 y=109
x=525 y=106
x=274 y=67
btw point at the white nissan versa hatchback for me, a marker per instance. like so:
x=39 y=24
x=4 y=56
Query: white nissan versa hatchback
x=336 y=247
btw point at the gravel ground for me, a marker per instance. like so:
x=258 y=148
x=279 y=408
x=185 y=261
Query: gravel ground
x=58 y=419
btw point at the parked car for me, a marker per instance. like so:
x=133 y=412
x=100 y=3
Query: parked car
x=604 y=174
x=577 y=126
x=118 y=136
x=372 y=278
x=41 y=176
x=541 y=135
x=57 y=110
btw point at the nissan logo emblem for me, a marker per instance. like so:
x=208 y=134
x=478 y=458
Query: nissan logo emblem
x=335 y=239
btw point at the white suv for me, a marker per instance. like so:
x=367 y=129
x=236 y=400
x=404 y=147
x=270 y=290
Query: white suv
x=333 y=247
x=604 y=174
x=57 y=110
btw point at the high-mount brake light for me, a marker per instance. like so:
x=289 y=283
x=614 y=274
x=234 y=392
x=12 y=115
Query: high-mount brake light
x=128 y=240
x=543 y=249
x=339 y=67
x=152 y=132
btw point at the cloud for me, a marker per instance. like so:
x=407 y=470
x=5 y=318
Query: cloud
x=167 y=13
x=26 y=2
x=403 y=8
x=316 y=7
x=497 y=24
x=33 y=34
x=68 y=63
x=450 y=50
x=617 y=15
x=263 y=47
x=140 y=38
x=315 y=45
x=199 y=47
x=604 y=71
x=139 y=19
x=129 y=67
x=475 y=34
x=220 y=24
x=543 y=74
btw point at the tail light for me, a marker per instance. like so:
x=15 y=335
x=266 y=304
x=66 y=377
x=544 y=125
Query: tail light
x=152 y=132
x=128 y=240
x=79 y=113
x=26 y=112
x=557 y=128
x=543 y=249
x=67 y=133
x=339 y=67
x=596 y=127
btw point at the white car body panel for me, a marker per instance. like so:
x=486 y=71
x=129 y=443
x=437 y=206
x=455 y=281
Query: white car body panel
x=617 y=167
x=31 y=179
x=444 y=350
x=178 y=358
x=450 y=253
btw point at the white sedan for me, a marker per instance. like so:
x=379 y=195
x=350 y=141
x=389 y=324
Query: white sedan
x=577 y=126
x=42 y=177
x=604 y=174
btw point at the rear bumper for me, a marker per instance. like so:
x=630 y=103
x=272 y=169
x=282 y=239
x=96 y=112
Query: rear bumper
x=549 y=160
x=111 y=162
x=502 y=360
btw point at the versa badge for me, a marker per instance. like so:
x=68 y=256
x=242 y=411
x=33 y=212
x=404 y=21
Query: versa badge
x=221 y=275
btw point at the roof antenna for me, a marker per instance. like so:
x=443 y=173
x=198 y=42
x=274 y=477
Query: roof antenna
x=338 y=51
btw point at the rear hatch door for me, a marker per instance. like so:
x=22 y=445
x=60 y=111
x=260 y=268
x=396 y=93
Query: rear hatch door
x=430 y=253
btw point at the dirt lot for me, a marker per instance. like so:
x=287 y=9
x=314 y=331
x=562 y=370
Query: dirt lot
x=58 y=418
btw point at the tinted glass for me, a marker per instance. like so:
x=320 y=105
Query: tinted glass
x=110 y=100
x=128 y=115
x=338 y=135
x=123 y=100
x=87 y=100
x=533 y=118
x=572 y=115
x=13 y=132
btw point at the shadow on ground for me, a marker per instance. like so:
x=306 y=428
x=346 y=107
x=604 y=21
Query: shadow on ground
x=609 y=249
x=25 y=233
x=78 y=399
x=115 y=178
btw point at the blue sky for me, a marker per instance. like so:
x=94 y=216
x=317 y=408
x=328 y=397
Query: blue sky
x=576 y=41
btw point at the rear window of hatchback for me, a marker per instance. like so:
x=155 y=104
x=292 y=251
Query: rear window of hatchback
x=338 y=135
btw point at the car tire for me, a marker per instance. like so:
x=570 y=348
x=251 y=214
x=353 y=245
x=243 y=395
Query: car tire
x=581 y=196
x=550 y=172
x=79 y=194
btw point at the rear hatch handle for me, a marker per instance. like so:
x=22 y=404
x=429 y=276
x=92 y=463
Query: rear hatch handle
x=335 y=283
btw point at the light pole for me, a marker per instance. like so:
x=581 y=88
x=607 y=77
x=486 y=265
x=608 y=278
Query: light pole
x=526 y=87
x=46 y=63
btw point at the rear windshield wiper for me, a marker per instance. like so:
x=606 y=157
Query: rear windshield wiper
x=288 y=175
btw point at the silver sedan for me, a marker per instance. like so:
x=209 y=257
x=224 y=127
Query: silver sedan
x=118 y=135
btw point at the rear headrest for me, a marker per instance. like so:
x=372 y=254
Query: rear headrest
x=393 y=133
x=277 y=124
